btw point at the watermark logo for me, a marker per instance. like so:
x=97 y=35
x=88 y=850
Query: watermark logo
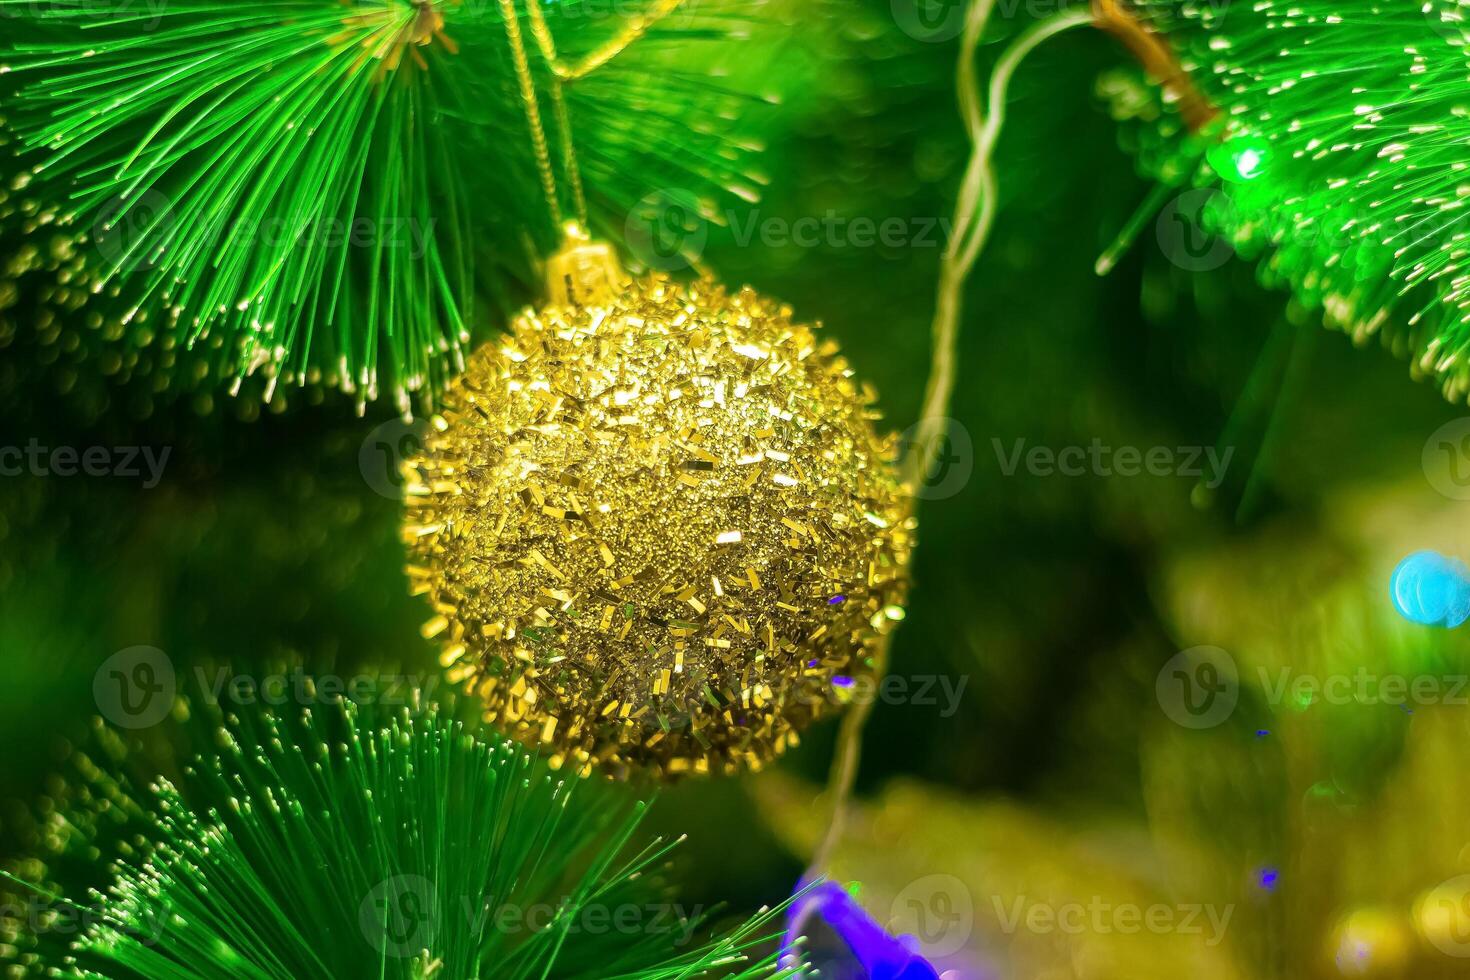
x=1446 y=459
x=382 y=454
x=1199 y=687
x=1182 y=236
x=132 y=232
x=135 y=688
x=666 y=230
x=951 y=455
x=1443 y=917
x=930 y=21
x=398 y=916
x=937 y=910
x=140 y=15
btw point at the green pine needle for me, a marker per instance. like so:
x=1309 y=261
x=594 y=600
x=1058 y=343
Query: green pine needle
x=356 y=843
x=1343 y=158
x=326 y=192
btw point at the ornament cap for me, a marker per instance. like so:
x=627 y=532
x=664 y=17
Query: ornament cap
x=583 y=272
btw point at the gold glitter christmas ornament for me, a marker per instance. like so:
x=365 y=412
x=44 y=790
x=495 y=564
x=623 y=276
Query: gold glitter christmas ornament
x=658 y=527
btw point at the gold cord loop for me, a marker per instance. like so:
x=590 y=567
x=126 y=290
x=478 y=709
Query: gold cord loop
x=532 y=106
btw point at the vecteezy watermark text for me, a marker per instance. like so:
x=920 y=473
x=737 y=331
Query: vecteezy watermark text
x=669 y=229
x=297 y=686
x=136 y=233
x=1188 y=228
x=1363 y=686
x=920 y=690
x=37 y=914
x=121 y=461
x=1200 y=688
x=401 y=916
x=834 y=230
x=1100 y=918
x=136 y=687
x=942 y=691
x=1098 y=459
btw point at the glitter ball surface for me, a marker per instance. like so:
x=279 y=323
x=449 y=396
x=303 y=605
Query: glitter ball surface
x=631 y=521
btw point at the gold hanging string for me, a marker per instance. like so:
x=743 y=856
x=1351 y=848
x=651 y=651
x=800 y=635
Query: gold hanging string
x=542 y=33
x=636 y=28
x=533 y=108
x=973 y=217
x=562 y=74
x=848 y=755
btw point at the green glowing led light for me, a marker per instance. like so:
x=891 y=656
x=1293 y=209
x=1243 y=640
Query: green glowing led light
x=1342 y=169
x=1239 y=159
x=1248 y=163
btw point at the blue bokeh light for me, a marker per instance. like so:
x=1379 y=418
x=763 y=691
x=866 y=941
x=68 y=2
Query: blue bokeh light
x=1431 y=589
